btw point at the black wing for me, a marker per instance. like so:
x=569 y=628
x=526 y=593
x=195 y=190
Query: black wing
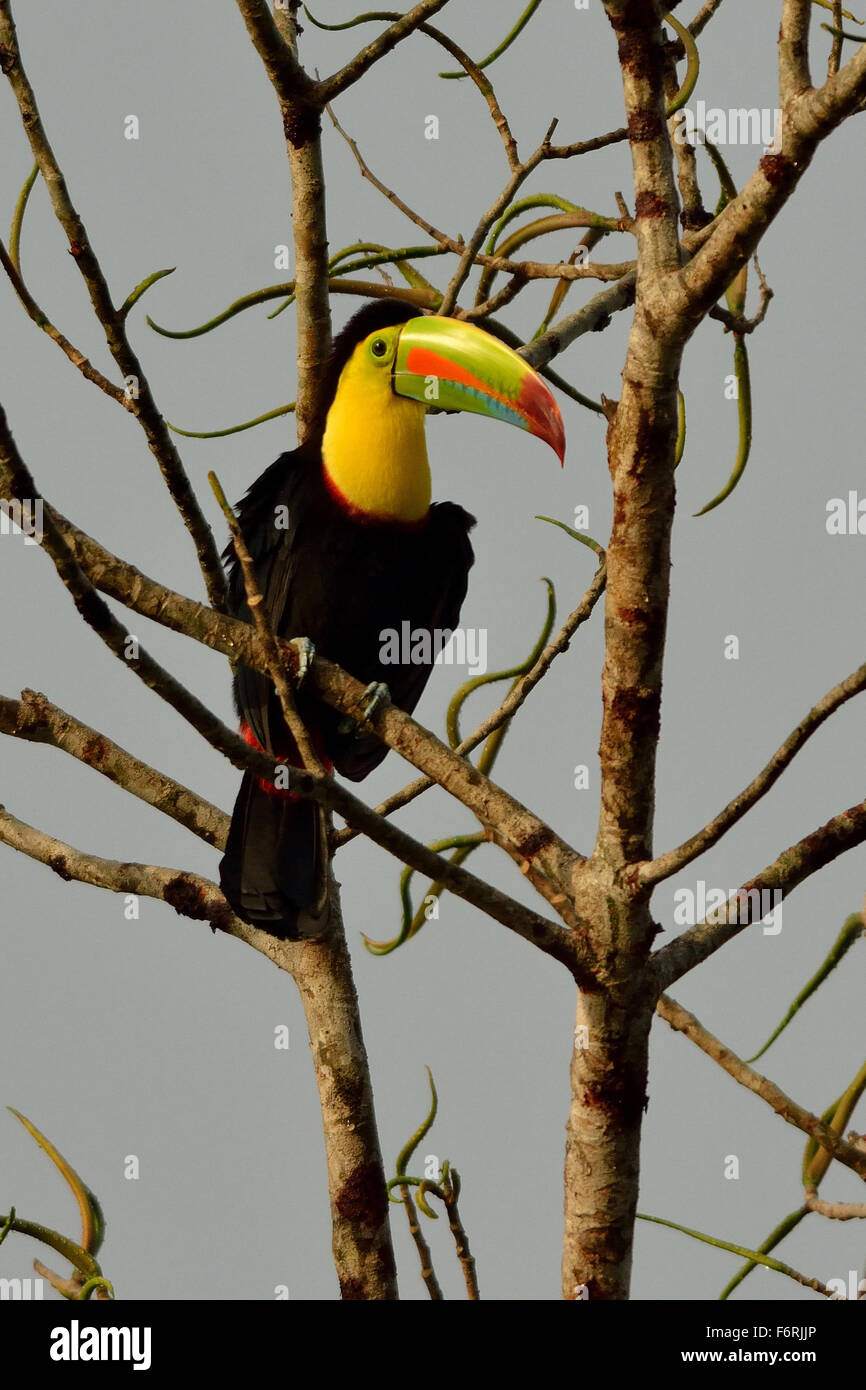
x=430 y=572
x=344 y=584
x=271 y=518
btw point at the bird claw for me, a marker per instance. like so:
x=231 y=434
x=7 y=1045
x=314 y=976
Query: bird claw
x=379 y=695
x=376 y=694
x=306 y=651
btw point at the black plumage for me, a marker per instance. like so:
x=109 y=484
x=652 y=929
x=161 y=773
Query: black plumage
x=342 y=582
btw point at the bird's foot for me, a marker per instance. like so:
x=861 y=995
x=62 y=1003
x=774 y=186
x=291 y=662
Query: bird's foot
x=306 y=651
x=376 y=694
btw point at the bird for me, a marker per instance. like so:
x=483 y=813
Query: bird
x=347 y=545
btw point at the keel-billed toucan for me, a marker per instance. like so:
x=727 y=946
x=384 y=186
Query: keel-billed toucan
x=347 y=545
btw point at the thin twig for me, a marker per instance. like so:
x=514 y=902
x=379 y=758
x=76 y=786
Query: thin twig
x=425 y=1257
x=469 y=252
x=738 y=323
x=836 y=1211
x=835 y=56
x=41 y=319
x=255 y=603
x=330 y=87
x=520 y=173
x=441 y=237
x=485 y=87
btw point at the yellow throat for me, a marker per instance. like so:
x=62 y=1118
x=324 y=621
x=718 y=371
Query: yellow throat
x=374 y=450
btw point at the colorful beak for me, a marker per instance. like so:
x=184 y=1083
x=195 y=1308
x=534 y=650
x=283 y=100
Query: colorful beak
x=455 y=365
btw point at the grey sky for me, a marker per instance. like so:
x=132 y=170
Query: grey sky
x=154 y=1037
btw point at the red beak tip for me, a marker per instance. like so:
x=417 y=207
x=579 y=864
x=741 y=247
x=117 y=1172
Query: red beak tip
x=557 y=439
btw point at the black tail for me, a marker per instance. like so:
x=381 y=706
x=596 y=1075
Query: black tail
x=274 y=872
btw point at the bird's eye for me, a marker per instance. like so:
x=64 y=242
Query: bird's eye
x=379 y=347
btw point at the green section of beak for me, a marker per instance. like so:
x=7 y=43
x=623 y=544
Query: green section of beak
x=457 y=366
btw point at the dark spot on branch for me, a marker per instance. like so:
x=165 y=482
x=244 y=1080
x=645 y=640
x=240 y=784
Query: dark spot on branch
x=352 y=1291
x=7 y=60
x=653 y=439
x=638 y=709
x=57 y=862
x=695 y=218
x=92 y=609
x=777 y=169
x=622 y=1099
x=630 y=45
x=648 y=622
x=535 y=842
x=94 y=749
x=301 y=124
x=799 y=50
x=361 y=1199
x=649 y=205
x=644 y=126
x=186 y=898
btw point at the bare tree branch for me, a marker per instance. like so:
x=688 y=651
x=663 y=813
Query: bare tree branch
x=703 y=16
x=808 y=116
x=188 y=893
x=592 y=318
x=481 y=81
x=527 y=839
x=17 y=482
x=794 y=76
x=301 y=110
x=836 y=1211
x=35 y=719
x=198 y=898
x=338 y=82
x=42 y=321
x=609 y=1077
x=739 y=323
x=549 y=936
x=287 y=76
x=642 y=64
x=792 y=867
x=670 y=863
x=793 y=1114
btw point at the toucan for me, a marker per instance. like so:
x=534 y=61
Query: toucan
x=347 y=546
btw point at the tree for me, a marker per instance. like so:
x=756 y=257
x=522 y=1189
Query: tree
x=596 y=919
